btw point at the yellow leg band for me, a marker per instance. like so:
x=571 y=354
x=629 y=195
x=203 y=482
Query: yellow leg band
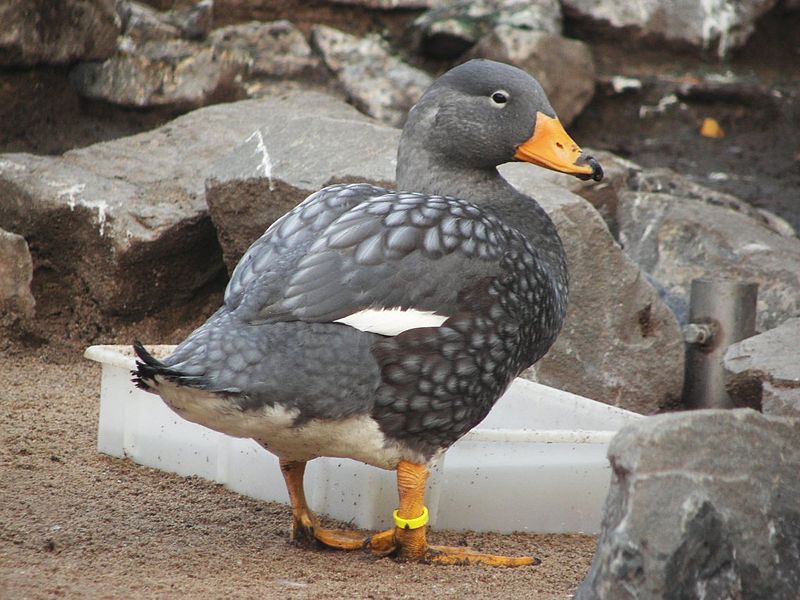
x=415 y=523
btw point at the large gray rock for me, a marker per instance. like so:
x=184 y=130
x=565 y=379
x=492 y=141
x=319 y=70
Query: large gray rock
x=564 y=67
x=677 y=239
x=716 y=25
x=308 y=140
x=378 y=83
x=453 y=28
x=56 y=32
x=128 y=218
x=620 y=343
x=16 y=273
x=702 y=505
x=769 y=365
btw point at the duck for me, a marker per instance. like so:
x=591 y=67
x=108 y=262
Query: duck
x=383 y=325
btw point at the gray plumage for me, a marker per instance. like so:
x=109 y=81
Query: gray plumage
x=463 y=244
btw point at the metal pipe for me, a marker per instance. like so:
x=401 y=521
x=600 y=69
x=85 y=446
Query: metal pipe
x=721 y=313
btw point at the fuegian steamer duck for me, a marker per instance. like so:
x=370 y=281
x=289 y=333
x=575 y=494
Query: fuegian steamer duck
x=383 y=325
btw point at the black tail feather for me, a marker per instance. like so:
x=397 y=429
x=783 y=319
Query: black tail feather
x=147 y=367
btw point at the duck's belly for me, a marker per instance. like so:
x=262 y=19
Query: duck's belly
x=358 y=437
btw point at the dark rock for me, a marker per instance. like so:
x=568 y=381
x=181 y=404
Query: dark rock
x=56 y=32
x=714 y=26
x=453 y=28
x=307 y=141
x=125 y=223
x=686 y=518
x=377 y=82
x=16 y=273
x=564 y=67
x=769 y=363
x=620 y=344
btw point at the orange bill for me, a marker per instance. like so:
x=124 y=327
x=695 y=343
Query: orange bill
x=551 y=147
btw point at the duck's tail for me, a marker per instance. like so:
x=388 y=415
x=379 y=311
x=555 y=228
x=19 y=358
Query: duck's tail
x=148 y=367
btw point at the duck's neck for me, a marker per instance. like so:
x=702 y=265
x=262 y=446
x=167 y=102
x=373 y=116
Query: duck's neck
x=488 y=189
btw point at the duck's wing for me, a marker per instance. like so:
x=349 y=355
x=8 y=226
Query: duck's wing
x=285 y=242
x=350 y=249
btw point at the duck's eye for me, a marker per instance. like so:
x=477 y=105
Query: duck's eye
x=500 y=97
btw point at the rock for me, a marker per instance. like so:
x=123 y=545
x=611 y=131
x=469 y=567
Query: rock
x=194 y=22
x=392 y=4
x=141 y=23
x=769 y=365
x=16 y=273
x=453 y=28
x=175 y=72
x=564 y=67
x=152 y=69
x=780 y=399
x=621 y=175
x=56 y=32
x=686 y=518
x=717 y=26
x=378 y=84
x=125 y=222
x=620 y=344
x=677 y=239
x=274 y=50
x=308 y=141
x=669 y=182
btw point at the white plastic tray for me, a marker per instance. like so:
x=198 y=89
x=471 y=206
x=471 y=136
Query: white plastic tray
x=537 y=463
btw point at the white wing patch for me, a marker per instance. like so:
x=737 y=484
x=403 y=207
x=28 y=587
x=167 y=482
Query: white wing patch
x=392 y=321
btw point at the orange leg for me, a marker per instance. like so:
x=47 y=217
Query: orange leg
x=412 y=543
x=406 y=543
x=305 y=524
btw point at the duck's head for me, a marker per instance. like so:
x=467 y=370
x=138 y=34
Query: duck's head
x=482 y=114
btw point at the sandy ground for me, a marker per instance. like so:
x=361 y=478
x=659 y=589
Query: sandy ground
x=77 y=524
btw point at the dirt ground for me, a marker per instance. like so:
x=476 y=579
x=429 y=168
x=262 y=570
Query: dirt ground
x=77 y=524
